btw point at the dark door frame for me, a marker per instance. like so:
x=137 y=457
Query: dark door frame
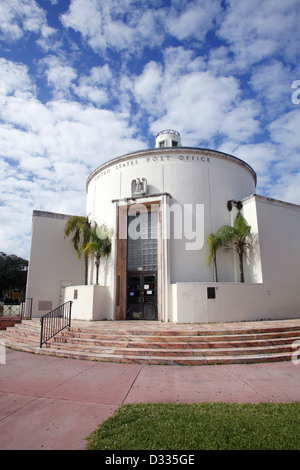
x=120 y=291
x=144 y=298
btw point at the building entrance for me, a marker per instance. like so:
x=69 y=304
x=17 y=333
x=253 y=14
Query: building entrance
x=138 y=269
x=142 y=296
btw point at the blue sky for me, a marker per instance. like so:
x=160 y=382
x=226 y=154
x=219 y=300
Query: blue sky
x=83 y=81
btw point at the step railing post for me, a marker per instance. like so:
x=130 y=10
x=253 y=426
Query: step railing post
x=70 y=309
x=55 y=321
x=42 y=328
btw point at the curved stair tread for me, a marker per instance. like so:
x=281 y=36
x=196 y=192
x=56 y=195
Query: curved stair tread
x=161 y=343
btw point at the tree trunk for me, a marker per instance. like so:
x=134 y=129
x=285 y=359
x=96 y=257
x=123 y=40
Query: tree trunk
x=241 y=267
x=86 y=270
x=97 y=270
x=86 y=239
x=215 y=267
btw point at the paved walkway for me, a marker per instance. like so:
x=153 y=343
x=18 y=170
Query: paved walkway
x=53 y=403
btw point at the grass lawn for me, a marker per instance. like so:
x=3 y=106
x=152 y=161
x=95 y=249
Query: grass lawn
x=200 y=426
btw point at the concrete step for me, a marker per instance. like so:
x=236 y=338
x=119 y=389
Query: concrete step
x=180 y=342
x=166 y=360
x=9 y=337
x=157 y=343
x=162 y=352
x=173 y=333
x=126 y=336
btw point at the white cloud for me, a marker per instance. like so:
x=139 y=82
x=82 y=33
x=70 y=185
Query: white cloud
x=198 y=104
x=147 y=88
x=240 y=122
x=25 y=112
x=47 y=150
x=195 y=21
x=20 y=16
x=99 y=75
x=84 y=16
x=272 y=83
x=275 y=162
x=179 y=60
x=256 y=30
x=288 y=188
x=93 y=87
x=14 y=77
x=59 y=75
x=91 y=94
x=103 y=24
x=285 y=130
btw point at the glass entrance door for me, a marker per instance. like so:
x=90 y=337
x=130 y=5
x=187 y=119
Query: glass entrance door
x=142 y=296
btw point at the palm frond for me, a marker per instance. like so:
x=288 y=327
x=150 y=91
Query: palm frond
x=80 y=227
x=99 y=244
x=236 y=237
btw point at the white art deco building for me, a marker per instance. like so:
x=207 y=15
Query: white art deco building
x=162 y=205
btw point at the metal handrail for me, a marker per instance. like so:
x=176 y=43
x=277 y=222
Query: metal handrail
x=55 y=321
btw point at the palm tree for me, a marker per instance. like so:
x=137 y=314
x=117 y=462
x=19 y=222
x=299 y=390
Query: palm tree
x=240 y=238
x=81 y=228
x=214 y=243
x=99 y=245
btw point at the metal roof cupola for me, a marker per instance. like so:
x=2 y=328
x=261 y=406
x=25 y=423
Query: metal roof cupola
x=168 y=138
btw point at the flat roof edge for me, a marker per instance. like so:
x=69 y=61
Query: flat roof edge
x=271 y=200
x=51 y=215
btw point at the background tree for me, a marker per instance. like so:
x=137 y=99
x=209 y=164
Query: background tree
x=13 y=273
x=80 y=227
x=238 y=238
x=99 y=245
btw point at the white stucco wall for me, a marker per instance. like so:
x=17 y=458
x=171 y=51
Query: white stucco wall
x=275 y=262
x=252 y=261
x=91 y=303
x=53 y=262
x=279 y=229
x=233 y=302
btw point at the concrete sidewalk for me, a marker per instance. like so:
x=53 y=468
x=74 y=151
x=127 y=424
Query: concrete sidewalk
x=53 y=403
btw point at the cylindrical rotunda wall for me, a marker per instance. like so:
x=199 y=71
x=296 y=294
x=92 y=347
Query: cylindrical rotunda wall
x=194 y=178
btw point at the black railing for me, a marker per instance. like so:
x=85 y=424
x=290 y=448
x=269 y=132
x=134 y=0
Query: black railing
x=55 y=321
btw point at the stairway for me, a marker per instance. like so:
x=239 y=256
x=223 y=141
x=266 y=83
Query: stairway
x=161 y=343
